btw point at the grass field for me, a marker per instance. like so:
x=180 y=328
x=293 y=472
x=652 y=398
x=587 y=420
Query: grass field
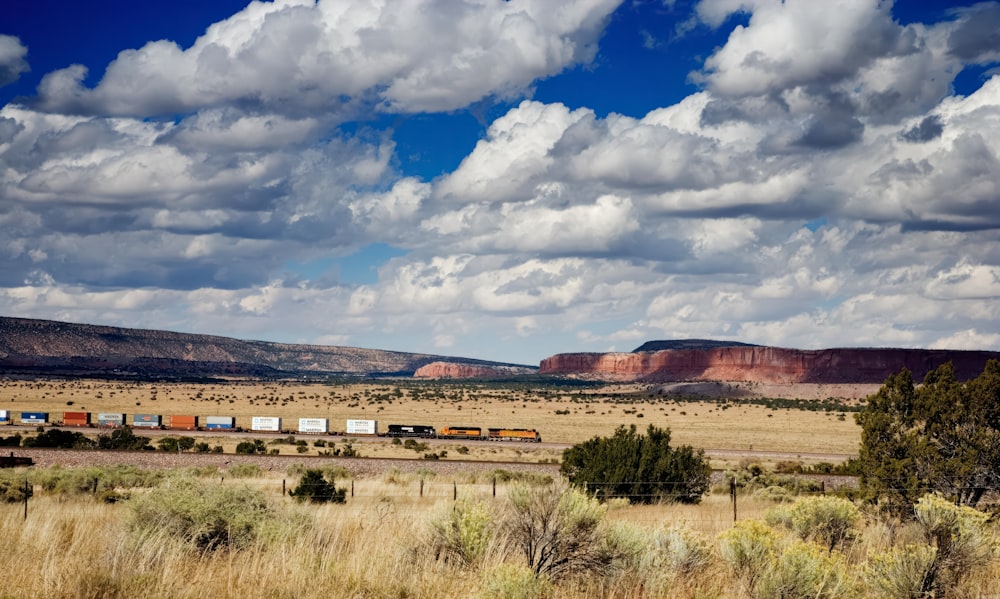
x=561 y=415
x=380 y=545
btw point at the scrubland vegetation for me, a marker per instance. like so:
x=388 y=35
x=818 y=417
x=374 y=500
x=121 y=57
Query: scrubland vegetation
x=127 y=532
x=762 y=531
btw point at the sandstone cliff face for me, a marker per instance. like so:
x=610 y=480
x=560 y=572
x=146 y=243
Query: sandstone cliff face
x=456 y=370
x=765 y=364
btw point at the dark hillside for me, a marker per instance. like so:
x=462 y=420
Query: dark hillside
x=28 y=345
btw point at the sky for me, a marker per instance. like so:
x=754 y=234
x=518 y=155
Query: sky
x=505 y=180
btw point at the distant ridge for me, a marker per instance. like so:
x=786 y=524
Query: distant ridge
x=52 y=347
x=652 y=346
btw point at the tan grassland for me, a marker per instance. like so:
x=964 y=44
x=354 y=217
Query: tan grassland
x=562 y=415
x=375 y=546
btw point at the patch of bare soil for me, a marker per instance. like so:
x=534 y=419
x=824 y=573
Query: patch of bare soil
x=737 y=389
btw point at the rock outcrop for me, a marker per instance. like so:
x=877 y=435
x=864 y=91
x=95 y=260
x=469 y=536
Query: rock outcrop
x=464 y=370
x=765 y=364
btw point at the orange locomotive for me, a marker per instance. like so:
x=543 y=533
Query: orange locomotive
x=514 y=434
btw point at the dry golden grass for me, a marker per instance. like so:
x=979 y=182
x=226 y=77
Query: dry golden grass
x=581 y=415
x=370 y=547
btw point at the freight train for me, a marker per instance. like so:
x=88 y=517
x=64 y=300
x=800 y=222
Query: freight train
x=472 y=433
x=267 y=424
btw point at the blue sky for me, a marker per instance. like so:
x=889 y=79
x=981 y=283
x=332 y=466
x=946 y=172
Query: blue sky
x=505 y=180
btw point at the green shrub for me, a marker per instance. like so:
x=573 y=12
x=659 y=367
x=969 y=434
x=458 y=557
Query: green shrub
x=12 y=487
x=315 y=488
x=11 y=441
x=626 y=547
x=805 y=571
x=902 y=572
x=827 y=520
x=204 y=516
x=521 y=476
x=79 y=481
x=251 y=447
x=752 y=477
x=748 y=548
x=61 y=439
x=509 y=581
x=683 y=551
x=555 y=529
x=960 y=535
x=244 y=471
x=774 y=493
x=123 y=439
x=462 y=532
x=644 y=468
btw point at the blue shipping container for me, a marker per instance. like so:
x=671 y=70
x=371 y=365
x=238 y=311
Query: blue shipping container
x=34 y=417
x=146 y=420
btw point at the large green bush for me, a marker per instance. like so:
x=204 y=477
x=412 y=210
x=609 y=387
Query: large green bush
x=901 y=572
x=463 y=532
x=748 y=548
x=941 y=436
x=95 y=479
x=61 y=439
x=251 y=447
x=961 y=539
x=827 y=520
x=805 y=571
x=203 y=515
x=123 y=439
x=644 y=469
x=556 y=530
x=12 y=487
x=315 y=488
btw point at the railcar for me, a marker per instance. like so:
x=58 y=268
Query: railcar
x=514 y=434
x=461 y=432
x=38 y=418
x=183 y=423
x=76 y=419
x=411 y=430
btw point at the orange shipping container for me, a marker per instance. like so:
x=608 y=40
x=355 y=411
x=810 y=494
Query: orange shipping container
x=187 y=423
x=76 y=418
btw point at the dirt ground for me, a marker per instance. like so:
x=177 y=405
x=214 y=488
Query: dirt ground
x=713 y=416
x=854 y=391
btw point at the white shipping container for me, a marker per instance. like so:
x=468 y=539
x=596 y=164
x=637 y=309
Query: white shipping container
x=362 y=427
x=107 y=419
x=266 y=423
x=312 y=425
x=219 y=422
x=4 y=416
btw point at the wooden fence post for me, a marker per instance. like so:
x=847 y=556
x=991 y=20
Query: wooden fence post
x=732 y=493
x=421 y=487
